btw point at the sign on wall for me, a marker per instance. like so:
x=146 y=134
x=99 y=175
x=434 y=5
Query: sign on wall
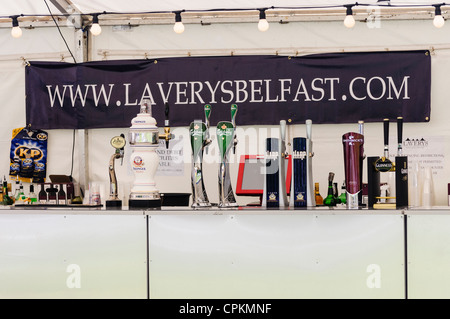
x=326 y=88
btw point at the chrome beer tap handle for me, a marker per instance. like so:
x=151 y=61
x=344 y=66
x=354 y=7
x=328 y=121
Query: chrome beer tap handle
x=118 y=142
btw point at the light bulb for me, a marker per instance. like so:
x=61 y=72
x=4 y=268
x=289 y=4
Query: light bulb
x=349 y=21
x=263 y=25
x=16 y=32
x=96 y=29
x=438 y=21
x=178 y=27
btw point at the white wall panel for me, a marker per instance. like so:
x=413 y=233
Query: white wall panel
x=428 y=255
x=276 y=256
x=48 y=255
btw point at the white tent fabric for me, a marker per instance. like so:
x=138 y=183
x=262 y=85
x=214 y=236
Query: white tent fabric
x=237 y=38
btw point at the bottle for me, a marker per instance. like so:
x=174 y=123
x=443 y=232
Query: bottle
x=61 y=196
x=32 y=196
x=319 y=198
x=42 y=196
x=1 y=195
x=20 y=195
x=330 y=200
x=52 y=191
x=16 y=190
x=336 y=194
x=7 y=200
x=343 y=196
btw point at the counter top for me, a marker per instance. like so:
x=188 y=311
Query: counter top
x=241 y=210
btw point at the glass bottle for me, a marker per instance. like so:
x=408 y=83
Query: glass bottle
x=336 y=194
x=343 y=196
x=42 y=196
x=7 y=200
x=61 y=196
x=319 y=198
x=1 y=195
x=52 y=191
x=32 y=196
x=330 y=199
x=16 y=191
x=20 y=195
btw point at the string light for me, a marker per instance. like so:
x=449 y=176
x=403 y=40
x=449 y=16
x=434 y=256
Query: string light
x=178 y=27
x=16 y=31
x=263 y=25
x=95 y=27
x=438 y=19
x=349 y=21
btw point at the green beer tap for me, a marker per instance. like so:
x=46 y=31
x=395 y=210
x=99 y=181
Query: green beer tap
x=199 y=136
x=226 y=139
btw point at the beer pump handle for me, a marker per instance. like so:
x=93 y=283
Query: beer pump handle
x=207 y=115
x=361 y=131
x=399 y=135
x=386 y=137
x=233 y=121
x=166 y=124
x=122 y=150
x=309 y=134
x=283 y=137
x=233 y=114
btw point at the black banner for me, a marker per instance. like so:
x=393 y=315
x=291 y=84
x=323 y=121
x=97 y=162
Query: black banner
x=326 y=88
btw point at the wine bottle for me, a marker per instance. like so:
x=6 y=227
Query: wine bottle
x=330 y=199
x=42 y=196
x=318 y=197
x=61 y=196
x=52 y=191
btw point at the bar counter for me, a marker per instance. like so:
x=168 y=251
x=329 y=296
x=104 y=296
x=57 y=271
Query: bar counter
x=248 y=252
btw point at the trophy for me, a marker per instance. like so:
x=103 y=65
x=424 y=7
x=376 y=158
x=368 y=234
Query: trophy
x=144 y=140
x=227 y=139
x=274 y=194
x=118 y=142
x=199 y=133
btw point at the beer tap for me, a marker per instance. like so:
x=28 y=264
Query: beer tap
x=199 y=137
x=167 y=136
x=207 y=137
x=233 y=121
x=144 y=140
x=118 y=142
x=226 y=138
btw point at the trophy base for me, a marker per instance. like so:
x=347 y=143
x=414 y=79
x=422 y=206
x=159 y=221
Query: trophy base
x=113 y=204
x=137 y=204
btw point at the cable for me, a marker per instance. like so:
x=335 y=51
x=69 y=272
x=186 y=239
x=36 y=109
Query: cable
x=356 y=4
x=73 y=151
x=57 y=26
